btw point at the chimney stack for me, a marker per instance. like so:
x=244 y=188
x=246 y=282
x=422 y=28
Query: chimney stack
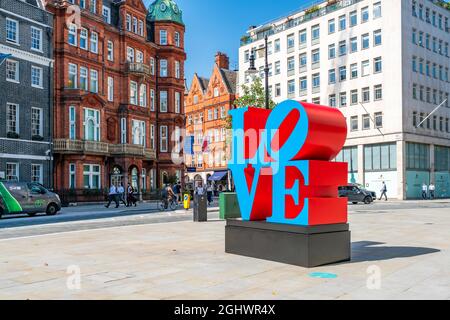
x=222 y=60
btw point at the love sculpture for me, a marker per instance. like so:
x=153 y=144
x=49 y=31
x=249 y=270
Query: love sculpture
x=287 y=185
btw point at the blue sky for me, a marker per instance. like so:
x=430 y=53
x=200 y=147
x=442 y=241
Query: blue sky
x=217 y=25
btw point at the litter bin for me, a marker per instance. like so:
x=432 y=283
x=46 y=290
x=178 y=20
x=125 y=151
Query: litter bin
x=229 y=206
x=200 y=208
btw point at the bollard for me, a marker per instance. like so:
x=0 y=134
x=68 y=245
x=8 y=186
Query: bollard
x=186 y=200
x=200 y=208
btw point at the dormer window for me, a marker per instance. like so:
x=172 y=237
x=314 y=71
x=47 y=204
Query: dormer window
x=216 y=92
x=106 y=14
x=93 y=6
x=163 y=37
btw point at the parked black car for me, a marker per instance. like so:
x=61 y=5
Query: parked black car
x=356 y=194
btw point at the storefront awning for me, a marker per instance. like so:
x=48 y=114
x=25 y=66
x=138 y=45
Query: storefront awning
x=218 y=175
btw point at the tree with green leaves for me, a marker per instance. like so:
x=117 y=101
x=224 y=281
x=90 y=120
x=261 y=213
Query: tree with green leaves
x=253 y=95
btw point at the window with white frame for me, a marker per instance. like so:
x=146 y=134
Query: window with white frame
x=130 y=54
x=365 y=68
x=177 y=39
x=91 y=176
x=93 y=6
x=36 y=122
x=83 y=78
x=123 y=130
x=94 y=81
x=152 y=66
x=12 y=31
x=135 y=25
x=163 y=37
x=128 y=22
x=177 y=70
x=163 y=138
x=36 y=39
x=36 y=173
x=139 y=56
x=12 y=117
x=133 y=92
x=110 y=89
x=106 y=14
x=141 y=28
x=82 y=4
x=143 y=95
x=377 y=10
x=72 y=123
x=177 y=102
x=152 y=100
x=138 y=132
x=163 y=103
x=36 y=77
x=110 y=47
x=94 y=42
x=366 y=94
x=12 y=70
x=12 y=171
x=84 y=38
x=163 y=68
x=72 y=176
x=72 y=35
x=91 y=124
x=152 y=136
x=378 y=92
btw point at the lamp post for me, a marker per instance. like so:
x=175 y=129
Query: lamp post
x=252 y=68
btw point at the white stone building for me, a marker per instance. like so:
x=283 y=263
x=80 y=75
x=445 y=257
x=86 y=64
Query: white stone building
x=385 y=65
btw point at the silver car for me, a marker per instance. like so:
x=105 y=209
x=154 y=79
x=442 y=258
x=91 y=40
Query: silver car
x=30 y=198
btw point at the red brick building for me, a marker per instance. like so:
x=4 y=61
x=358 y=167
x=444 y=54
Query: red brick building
x=207 y=104
x=119 y=86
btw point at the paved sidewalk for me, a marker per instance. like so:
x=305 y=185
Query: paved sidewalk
x=186 y=260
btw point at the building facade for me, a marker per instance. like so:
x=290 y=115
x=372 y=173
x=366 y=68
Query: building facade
x=119 y=82
x=26 y=91
x=207 y=104
x=385 y=65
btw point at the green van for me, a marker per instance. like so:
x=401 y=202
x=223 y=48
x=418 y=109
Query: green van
x=29 y=198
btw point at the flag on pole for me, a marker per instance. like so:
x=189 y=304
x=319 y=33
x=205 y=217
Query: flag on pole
x=205 y=144
x=3 y=57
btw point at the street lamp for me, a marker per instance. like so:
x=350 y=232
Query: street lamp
x=252 y=69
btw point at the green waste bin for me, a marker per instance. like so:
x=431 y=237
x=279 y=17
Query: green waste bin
x=229 y=206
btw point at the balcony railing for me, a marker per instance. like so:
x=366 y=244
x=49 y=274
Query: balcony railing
x=277 y=26
x=132 y=150
x=96 y=147
x=80 y=146
x=136 y=67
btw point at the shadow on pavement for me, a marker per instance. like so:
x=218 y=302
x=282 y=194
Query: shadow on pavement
x=373 y=251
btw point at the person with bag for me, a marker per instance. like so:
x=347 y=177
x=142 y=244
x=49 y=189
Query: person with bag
x=131 y=199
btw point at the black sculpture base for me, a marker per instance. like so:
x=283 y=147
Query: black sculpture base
x=301 y=246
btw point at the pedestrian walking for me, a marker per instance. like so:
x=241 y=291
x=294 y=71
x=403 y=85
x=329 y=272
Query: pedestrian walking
x=432 y=188
x=121 y=194
x=209 y=194
x=383 y=191
x=176 y=191
x=131 y=199
x=200 y=190
x=112 y=196
x=424 y=191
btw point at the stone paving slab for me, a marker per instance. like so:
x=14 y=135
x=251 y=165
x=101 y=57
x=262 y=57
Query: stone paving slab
x=186 y=260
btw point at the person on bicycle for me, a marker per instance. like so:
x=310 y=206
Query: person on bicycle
x=167 y=195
